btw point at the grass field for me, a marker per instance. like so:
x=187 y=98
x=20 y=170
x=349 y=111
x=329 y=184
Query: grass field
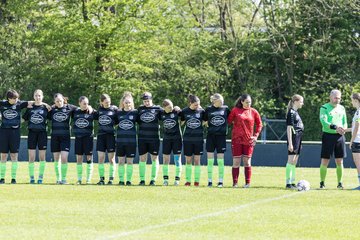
x=265 y=211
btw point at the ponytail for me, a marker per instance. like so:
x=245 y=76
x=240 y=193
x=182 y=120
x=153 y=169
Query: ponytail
x=294 y=98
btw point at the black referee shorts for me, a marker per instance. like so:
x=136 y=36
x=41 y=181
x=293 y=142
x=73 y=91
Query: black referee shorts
x=215 y=142
x=333 y=144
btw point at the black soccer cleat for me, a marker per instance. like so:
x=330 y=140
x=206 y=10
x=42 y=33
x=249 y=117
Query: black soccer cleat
x=128 y=183
x=340 y=186
x=2 y=181
x=152 y=183
x=209 y=184
x=13 y=181
x=322 y=185
x=121 y=183
x=102 y=181
x=142 y=183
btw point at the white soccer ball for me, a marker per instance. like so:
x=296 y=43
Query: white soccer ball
x=303 y=185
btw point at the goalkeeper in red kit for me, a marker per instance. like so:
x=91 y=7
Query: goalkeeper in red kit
x=246 y=129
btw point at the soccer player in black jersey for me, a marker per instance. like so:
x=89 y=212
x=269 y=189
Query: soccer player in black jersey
x=216 y=117
x=126 y=118
x=60 y=116
x=36 y=115
x=106 y=116
x=295 y=128
x=172 y=140
x=148 y=138
x=10 y=110
x=193 y=138
x=83 y=126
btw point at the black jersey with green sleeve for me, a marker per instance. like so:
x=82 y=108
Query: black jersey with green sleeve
x=148 y=120
x=217 y=119
x=107 y=120
x=36 y=117
x=60 y=120
x=83 y=123
x=293 y=119
x=126 y=126
x=171 y=125
x=194 y=131
x=11 y=113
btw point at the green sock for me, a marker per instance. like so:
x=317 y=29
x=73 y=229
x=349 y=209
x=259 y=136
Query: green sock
x=111 y=171
x=339 y=172
x=57 y=172
x=129 y=172
x=2 y=169
x=142 y=170
x=64 y=167
x=197 y=173
x=79 y=169
x=188 y=172
x=210 y=165
x=221 y=169
x=323 y=170
x=293 y=167
x=31 y=170
x=101 y=169
x=121 y=172
x=165 y=170
x=41 y=169
x=14 y=167
x=154 y=169
x=288 y=173
x=89 y=170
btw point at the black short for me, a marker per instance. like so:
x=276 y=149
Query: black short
x=297 y=143
x=193 y=148
x=171 y=145
x=9 y=140
x=37 y=139
x=355 y=147
x=84 y=145
x=125 y=149
x=333 y=143
x=105 y=142
x=217 y=142
x=60 y=143
x=149 y=147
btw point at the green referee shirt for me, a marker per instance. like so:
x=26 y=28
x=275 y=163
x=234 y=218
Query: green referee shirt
x=332 y=115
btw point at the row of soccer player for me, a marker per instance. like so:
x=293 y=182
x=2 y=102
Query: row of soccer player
x=120 y=138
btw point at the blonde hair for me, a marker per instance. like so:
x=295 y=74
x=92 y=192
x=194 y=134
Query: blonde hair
x=167 y=102
x=39 y=91
x=127 y=95
x=294 y=98
x=217 y=96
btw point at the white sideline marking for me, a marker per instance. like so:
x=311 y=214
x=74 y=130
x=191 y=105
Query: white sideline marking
x=186 y=220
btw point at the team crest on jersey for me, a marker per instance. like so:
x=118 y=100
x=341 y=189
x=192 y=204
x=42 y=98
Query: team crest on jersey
x=64 y=110
x=147 y=117
x=36 y=118
x=197 y=115
x=87 y=116
x=169 y=123
x=131 y=117
x=222 y=113
x=152 y=110
x=10 y=114
x=105 y=120
x=81 y=123
x=126 y=124
x=193 y=123
x=172 y=115
x=60 y=117
x=13 y=107
x=217 y=121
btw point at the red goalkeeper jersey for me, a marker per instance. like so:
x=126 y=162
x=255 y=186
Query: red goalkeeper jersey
x=246 y=123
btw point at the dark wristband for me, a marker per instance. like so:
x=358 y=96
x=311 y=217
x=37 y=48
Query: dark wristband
x=333 y=126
